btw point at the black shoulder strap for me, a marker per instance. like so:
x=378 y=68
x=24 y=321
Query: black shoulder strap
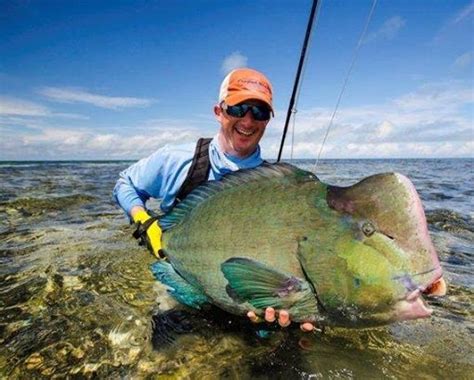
x=199 y=170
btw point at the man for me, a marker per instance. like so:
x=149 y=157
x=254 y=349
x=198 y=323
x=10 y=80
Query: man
x=243 y=112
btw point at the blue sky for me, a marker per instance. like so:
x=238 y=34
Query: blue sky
x=119 y=79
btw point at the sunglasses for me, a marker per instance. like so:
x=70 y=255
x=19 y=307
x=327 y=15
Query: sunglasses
x=259 y=113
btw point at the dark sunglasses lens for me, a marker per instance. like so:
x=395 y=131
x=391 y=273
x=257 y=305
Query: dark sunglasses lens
x=260 y=113
x=236 y=111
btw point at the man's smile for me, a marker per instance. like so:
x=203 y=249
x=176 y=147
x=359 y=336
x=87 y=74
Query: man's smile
x=244 y=132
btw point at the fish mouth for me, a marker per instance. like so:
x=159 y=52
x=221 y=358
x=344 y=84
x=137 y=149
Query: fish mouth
x=437 y=288
x=244 y=132
x=414 y=306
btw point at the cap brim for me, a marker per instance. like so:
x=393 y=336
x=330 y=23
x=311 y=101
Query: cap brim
x=242 y=96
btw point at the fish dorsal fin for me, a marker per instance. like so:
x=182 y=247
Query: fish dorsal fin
x=207 y=190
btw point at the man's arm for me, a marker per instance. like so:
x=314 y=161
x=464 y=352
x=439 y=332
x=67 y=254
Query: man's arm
x=135 y=186
x=138 y=183
x=159 y=175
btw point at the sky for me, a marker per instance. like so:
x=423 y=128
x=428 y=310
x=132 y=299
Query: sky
x=116 y=80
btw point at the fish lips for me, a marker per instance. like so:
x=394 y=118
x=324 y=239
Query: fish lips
x=412 y=309
x=413 y=305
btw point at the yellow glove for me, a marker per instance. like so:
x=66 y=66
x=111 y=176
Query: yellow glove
x=148 y=232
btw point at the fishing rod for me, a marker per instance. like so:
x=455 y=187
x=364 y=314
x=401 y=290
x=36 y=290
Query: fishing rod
x=298 y=74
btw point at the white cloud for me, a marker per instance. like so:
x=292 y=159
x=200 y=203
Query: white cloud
x=72 y=95
x=176 y=124
x=42 y=139
x=11 y=108
x=233 y=61
x=384 y=129
x=80 y=143
x=18 y=107
x=373 y=150
x=442 y=98
x=455 y=26
x=463 y=61
x=464 y=13
x=434 y=120
x=70 y=116
x=387 y=31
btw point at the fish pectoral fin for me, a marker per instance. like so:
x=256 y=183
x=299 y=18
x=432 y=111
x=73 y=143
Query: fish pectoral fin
x=262 y=286
x=178 y=287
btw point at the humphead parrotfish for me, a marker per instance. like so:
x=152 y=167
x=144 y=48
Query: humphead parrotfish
x=356 y=256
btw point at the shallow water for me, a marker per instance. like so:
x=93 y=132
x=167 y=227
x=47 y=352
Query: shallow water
x=77 y=297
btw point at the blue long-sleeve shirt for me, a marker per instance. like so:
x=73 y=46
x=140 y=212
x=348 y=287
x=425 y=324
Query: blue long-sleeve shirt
x=161 y=174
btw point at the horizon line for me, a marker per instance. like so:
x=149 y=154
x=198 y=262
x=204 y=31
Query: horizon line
x=272 y=159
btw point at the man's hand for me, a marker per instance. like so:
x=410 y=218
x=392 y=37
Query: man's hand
x=283 y=319
x=148 y=231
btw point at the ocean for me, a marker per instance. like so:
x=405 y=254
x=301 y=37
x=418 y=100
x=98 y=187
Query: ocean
x=77 y=298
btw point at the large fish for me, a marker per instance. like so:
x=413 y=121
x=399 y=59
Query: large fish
x=276 y=236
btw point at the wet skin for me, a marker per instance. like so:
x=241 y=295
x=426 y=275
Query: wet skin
x=240 y=137
x=283 y=319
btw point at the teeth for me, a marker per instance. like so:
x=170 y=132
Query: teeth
x=243 y=132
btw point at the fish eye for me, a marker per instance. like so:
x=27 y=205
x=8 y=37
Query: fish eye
x=368 y=229
x=357 y=282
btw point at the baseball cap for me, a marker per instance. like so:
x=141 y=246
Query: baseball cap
x=244 y=84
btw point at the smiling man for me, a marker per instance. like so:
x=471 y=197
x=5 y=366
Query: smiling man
x=243 y=111
x=243 y=90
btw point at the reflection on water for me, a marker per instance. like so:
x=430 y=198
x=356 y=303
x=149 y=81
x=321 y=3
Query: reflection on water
x=77 y=296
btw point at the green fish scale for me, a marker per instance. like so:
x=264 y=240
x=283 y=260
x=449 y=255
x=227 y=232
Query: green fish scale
x=244 y=221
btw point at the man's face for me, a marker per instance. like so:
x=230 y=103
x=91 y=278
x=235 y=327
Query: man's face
x=240 y=136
